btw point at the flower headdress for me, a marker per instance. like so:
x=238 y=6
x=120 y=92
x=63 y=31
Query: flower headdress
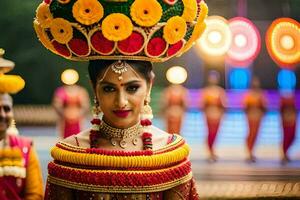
x=151 y=30
x=9 y=83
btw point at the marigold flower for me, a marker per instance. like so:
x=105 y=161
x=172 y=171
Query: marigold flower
x=43 y=15
x=87 y=12
x=117 y=27
x=42 y=36
x=199 y=27
x=174 y=30
x=61 y=30
x=146 y=13
x=190 y=10
x=11 y=84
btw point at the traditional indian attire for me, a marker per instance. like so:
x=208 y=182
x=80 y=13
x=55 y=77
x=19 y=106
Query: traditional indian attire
x=20 y=173
x=213 y=104
x=174 y=105
x=255 y=107
x=288 y=118
x=93 y=173
x=72 y=104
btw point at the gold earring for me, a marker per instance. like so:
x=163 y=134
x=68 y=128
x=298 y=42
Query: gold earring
x=96 y=108
x=146 y=112
x=12 y=129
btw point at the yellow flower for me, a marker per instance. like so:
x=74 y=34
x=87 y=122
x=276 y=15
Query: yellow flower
x=42 y=36
x=116 y=27
x=146 y=13
x=174 y=30
x=64 y=1
x=87 y=12
x=43 y=15
x=190 y=10
x=11 y=84
x=61 y=30
x=199 y=27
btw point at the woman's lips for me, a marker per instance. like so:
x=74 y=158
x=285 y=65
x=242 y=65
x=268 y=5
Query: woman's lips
x=122 y=113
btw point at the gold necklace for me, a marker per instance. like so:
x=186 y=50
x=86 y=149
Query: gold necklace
x=121 y=136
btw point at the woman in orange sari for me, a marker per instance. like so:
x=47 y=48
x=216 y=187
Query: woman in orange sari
x=254 y=103
x=213 y=104
x=288 y=118
x=174 y=100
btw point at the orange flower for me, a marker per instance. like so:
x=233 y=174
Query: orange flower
x=146 y=13
x=63 y=1
x=61 y=30
x=116 y=27
x=190 y=10
x=174 y=30
x=87 y=12
x=43 y=15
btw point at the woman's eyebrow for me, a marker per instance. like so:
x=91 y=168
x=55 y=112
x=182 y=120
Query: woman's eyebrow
x=113 y=84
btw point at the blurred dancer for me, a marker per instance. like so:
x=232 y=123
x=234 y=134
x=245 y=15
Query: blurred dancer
x=213 y=104
x=72 y=104
x=255 y=107
x=288 y=113
x=174 y=102
x=20 y=172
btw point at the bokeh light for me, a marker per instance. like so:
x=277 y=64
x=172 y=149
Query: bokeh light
x=176 y=75
x=283 y=42
x=246 y=42
x=216 y=39
x=69 y=77
x=239 y=78
x=286 y=79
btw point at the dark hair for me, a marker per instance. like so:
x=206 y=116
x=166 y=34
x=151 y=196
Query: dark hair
x=97 y=67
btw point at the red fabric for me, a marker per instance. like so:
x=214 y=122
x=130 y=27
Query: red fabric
x=156 y=46
x=61 y=48
x=132 y=44
x=174 y=48
x=79 y=46
x=289 y=132
x=7 y=190
x=106 y=178
x=101 y=44
x=213 y=127
x=71 y=128
x=252 y=134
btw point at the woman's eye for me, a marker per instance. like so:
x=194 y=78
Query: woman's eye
x=108 y=89
x=132 y=88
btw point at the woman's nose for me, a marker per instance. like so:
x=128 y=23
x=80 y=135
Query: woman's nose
x=121 y=100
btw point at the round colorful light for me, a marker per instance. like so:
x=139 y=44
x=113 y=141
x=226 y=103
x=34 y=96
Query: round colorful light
x=69 y=77
x=246 y=42
x=216 y=38
x=176 y=75
x=283 y=43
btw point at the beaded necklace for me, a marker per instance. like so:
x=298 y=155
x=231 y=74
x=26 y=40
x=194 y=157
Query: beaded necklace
x=121 y=137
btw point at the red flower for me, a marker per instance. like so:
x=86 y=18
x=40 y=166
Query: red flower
x=174 y=48
x=156 y=46
x=61 y=48
x=101 y=44
x=79 y=46
x=133 y=44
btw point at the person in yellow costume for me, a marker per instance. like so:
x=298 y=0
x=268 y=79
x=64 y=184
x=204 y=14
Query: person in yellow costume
x=20 y=173
x=122 y=156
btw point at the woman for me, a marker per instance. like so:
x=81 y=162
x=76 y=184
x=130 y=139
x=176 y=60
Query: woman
x=124 y=155
x=174 y=101
x=255 y=107
x=213 y=104
x=289 y=119
x=71 y=103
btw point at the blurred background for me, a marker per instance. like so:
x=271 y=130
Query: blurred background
x=230 y=176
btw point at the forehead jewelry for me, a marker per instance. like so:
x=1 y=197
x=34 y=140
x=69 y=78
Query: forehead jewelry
x=119 y=67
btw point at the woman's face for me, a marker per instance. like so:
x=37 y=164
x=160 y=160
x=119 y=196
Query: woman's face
x=121 y=101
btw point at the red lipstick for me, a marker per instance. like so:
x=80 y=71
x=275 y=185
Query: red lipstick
x=122 y=113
